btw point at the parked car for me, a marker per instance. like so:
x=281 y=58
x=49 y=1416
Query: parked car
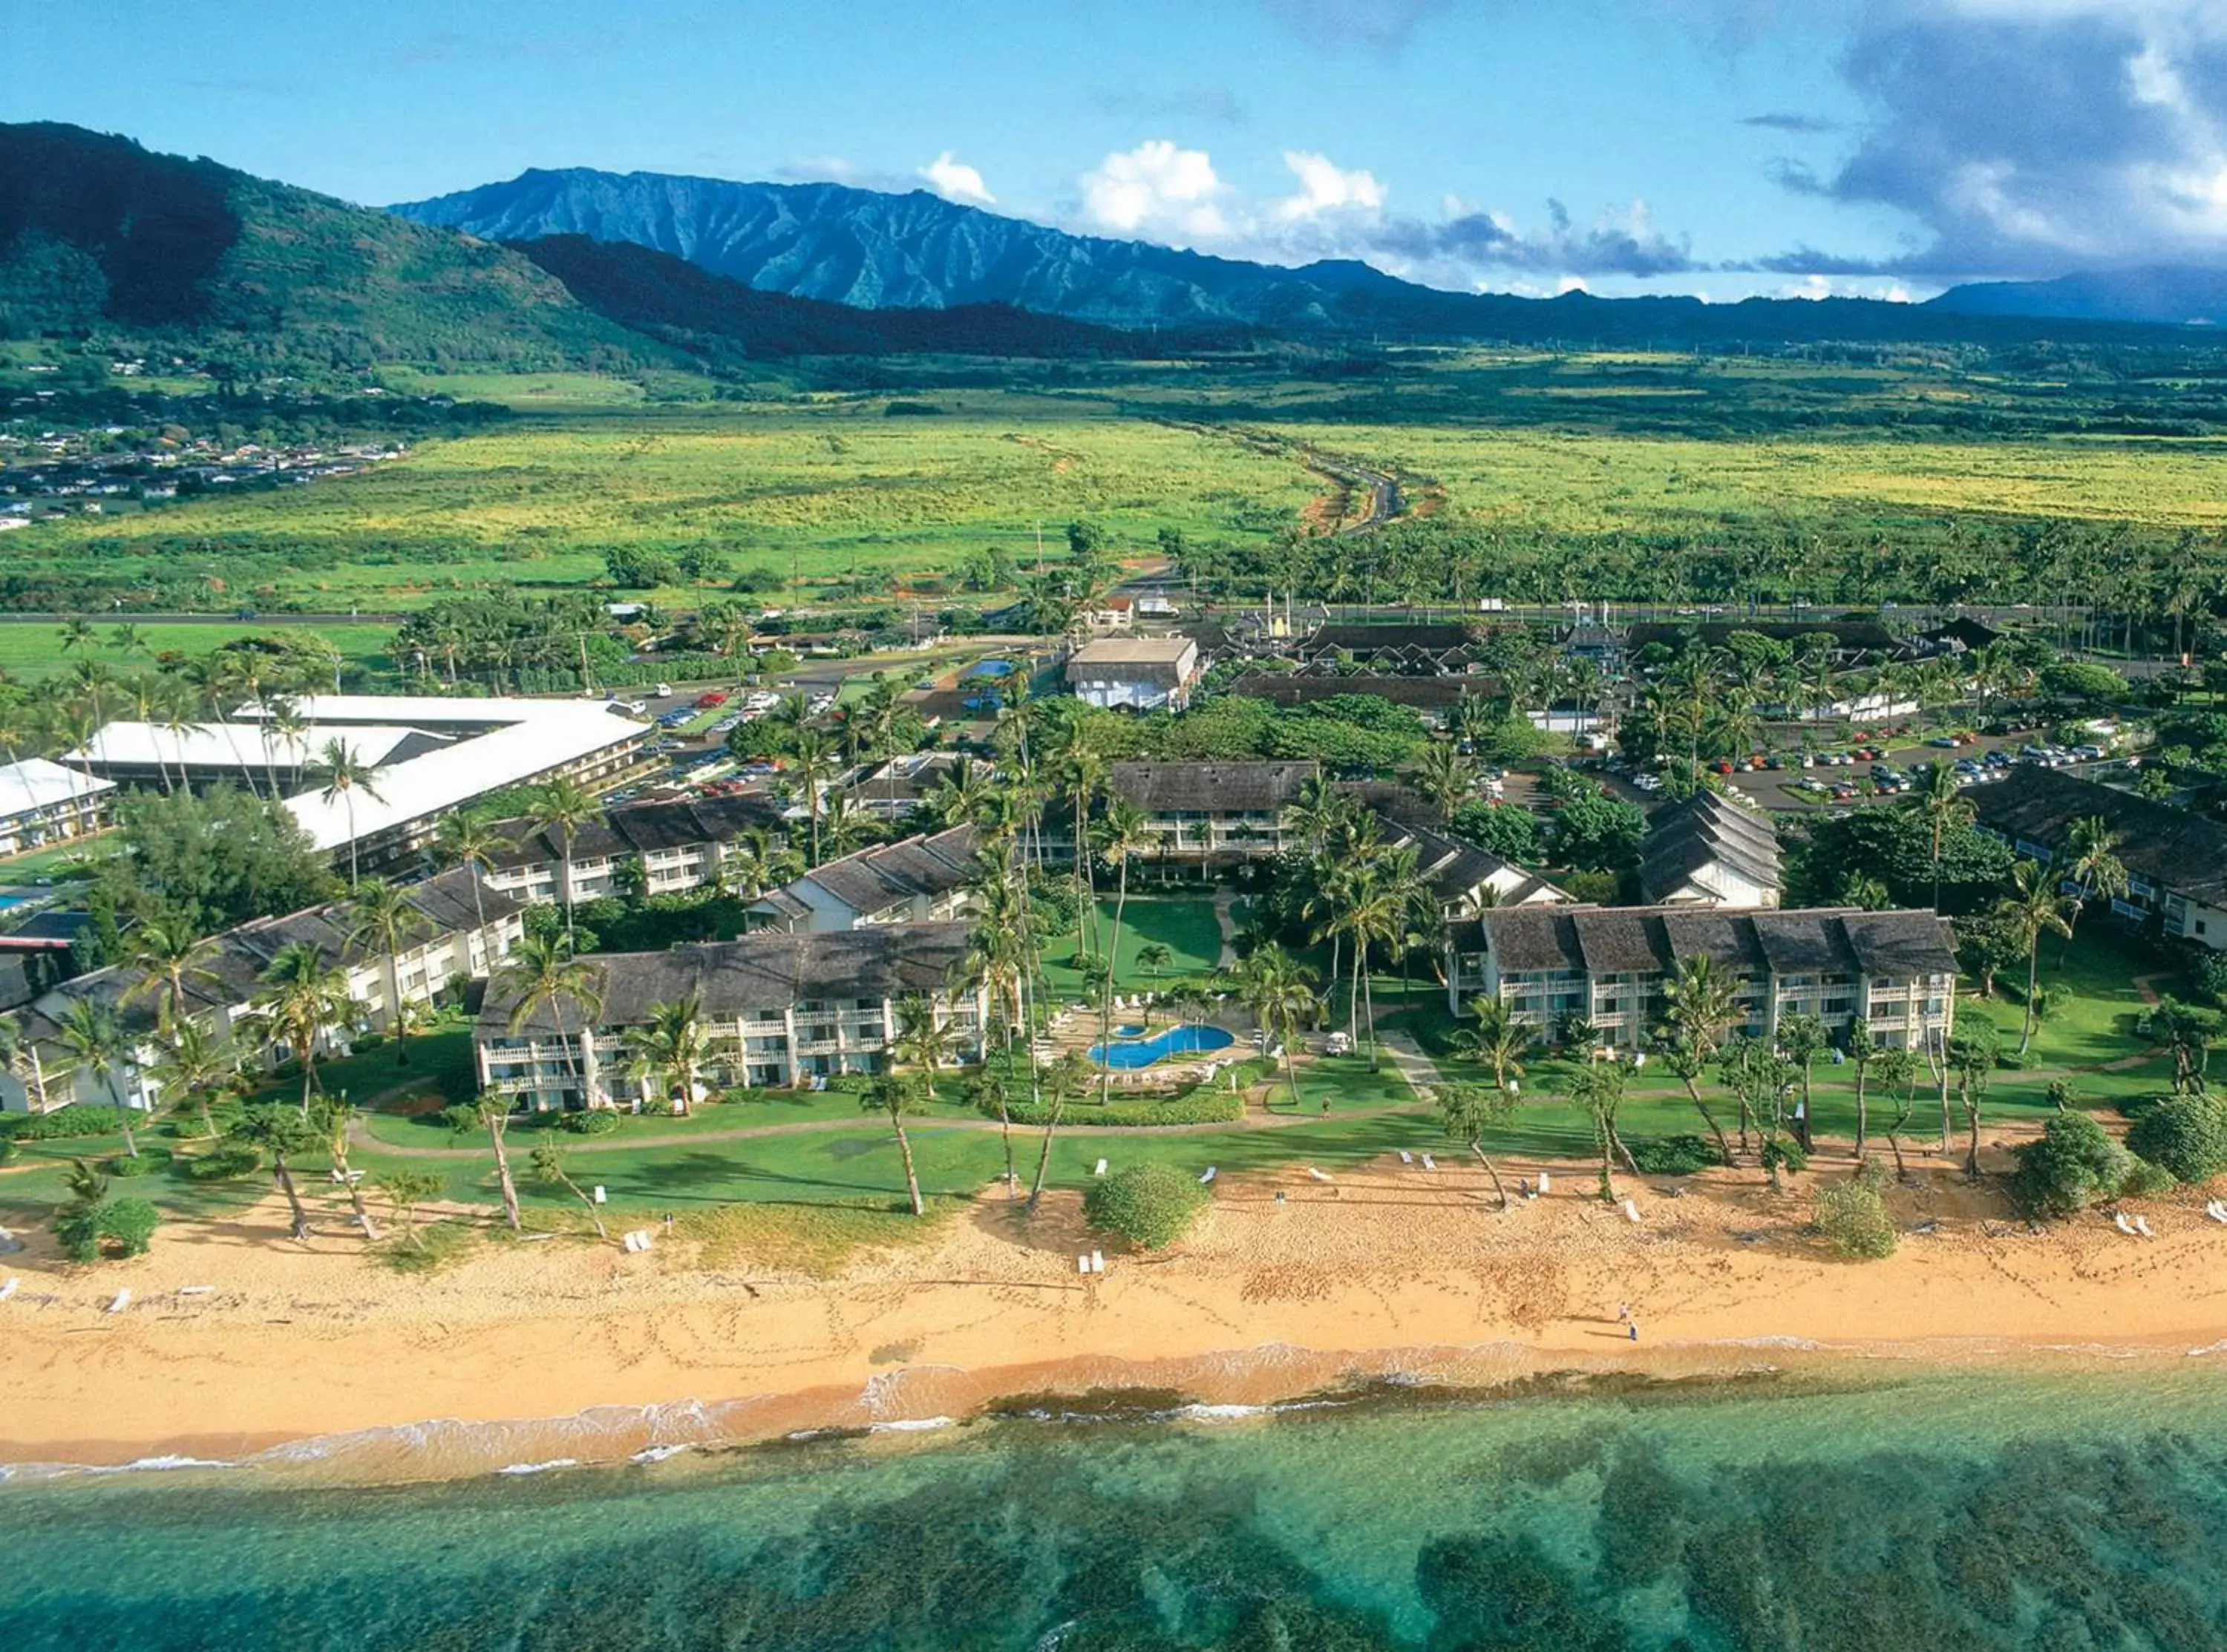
x=710 y=698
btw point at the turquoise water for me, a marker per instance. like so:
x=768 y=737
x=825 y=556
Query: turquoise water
x=1956 y=1511
x=1186 y=1040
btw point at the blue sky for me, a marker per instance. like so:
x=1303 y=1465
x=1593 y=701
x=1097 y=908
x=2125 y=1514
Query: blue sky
x=1727 y=147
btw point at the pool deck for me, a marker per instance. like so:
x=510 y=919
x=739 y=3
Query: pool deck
x=1075 y=1029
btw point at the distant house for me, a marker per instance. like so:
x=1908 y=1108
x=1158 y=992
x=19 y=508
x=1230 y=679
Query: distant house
x=679 y=845
x=1212 y=813
x=1608 y=967
x=1433 y=698
x=1426 y=649
x=43 y=803
x=1709 y=852
x=779 y=1010
x=2176 y=862
x=1135 y=673
x=915 y=880
x=452 y=945
x=893 y=789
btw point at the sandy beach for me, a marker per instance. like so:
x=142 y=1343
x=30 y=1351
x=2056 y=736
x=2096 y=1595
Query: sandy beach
x=588 y=1352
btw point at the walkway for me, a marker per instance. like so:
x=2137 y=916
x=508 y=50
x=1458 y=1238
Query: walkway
x=1419 y=1070
x=1224 y=898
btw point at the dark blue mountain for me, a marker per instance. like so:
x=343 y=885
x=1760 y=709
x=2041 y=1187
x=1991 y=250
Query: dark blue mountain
x=2168 y=296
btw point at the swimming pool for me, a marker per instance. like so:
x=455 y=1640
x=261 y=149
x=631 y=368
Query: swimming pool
x=1188 y=1040
x=990 y=668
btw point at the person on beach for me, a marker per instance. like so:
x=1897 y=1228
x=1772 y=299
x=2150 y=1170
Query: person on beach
x=1633 y=1327
x=1624 y=1313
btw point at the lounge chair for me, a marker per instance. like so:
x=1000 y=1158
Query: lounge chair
x=1430 y=1164
x=1208 y=1177
x=1098 y=1261
x=1631 y=1211
x=2142 y=1227
x=189 y=1290
x=1543 y=1182
x=2217 y=1210
x=1082 y=1264
x=1316 y=1174
x=2125 y=1227
x=1100 y=1169
x=1407 y=1157
x=123 y=1301
x=9 y=1289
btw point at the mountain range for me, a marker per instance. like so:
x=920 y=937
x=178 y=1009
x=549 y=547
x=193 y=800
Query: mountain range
x=601 y=269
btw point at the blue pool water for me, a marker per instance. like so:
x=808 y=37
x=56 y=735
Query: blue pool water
x=991 y=668
x=1191 y=1039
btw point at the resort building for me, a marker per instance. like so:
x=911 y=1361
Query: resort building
x=1425 y=650
x=1213 y=813
x=462 y=936
x=1468 y=880
x=893 y=789
x=1708 y=850
x=1135 y=673
x=1432 y=698
x=668 y=847
x=254 y=756
x=915 y=880
x=2176 y=862
x=43 y=803
x=1607 y=966
x=780 y=1010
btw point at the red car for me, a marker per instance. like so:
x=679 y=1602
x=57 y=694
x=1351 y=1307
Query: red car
x=705 y=701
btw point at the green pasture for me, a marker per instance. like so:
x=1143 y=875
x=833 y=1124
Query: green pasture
x=33 y=649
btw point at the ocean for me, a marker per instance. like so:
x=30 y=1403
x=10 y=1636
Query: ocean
x=1861 y=1508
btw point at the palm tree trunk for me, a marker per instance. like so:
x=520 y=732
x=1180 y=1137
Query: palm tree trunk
x=2032 y=980
x=1044 y=1155
x=1497 y=1186
x=912 y=1180
x=1368 y=993
x=1291 y=1066
x=568 y=889
x=285 y=1179
x=1113 y=960
x=1862 y=1117
x=1724 y=1147
x=497 y=1124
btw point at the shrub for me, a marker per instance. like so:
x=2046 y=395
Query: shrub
x=7 y=1149
x=2184 y=1134
x=460 y=1120
x=1200 y=1107
x=78 y=1119
x=2211 y=976
x=2074 y=1165
x=124 y=1166
x=89 y=1232
x=1784 y=1154
x=1150 y=1205
x=2145 y=1180
x=229 y=1163
x=1853 y=1219
x=1674 y=1155
x=591 y=1121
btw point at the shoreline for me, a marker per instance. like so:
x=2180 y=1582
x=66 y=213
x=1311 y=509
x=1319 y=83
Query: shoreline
x=313 y=1362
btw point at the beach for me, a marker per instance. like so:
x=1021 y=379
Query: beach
x=237 y=1342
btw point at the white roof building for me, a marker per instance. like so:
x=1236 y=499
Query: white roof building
x=35 y=784
x=207 y=749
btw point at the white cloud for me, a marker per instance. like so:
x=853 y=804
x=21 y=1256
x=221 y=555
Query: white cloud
x=956 y=181
x=1326 y=186
x=1156 y=189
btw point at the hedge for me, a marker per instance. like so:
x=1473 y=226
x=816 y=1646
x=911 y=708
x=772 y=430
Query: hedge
x=226 y=1164
x=78 y=1119
x=1219 y=1107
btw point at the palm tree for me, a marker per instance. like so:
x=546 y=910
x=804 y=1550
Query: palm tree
x=549 y=1169
x=494 y=1114
x=1703 y=1004
x=93 y=1034
x=168 y=955
x=1598 y=1088
x=543 y=973
x=300 y=999
x=1943 y=806
x=1445 y=777
x=922 y=1040
x=406 y=1191
x=2096 y=868
x=812 y=761
x=381 y=920
x=672 y=1047
x=1155 y=956
x=894 y=1094
x=956 y=797
x=1375 y=900
x=1498 y=1039
x=2037 y=906
x=464 y=838
x=1863 y=1048
x=337 y=1117
x=1279 y=991
x=563 y=805
x=1121 y=835
x=193 y=1063
x=1082 y=771
x=1469 y=1113
x=279 y=1131
x=347 y=773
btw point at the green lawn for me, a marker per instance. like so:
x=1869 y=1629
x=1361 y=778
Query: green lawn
x=1184 y=925
x=33 y=651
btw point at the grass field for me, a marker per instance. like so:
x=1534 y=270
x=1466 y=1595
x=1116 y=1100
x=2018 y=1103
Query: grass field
x=29 y=651
x=1185 y=927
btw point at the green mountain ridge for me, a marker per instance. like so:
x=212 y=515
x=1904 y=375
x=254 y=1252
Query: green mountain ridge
x=99 y=236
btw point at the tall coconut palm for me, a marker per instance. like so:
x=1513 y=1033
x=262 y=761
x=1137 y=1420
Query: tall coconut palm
x=1702 y=1004
x=346 y=775
x=1374 y=901
x=672 y=1047
x=2037 y=906
x=299 y=1000
x=381 y=920
x=1470 y=1112
x=812 y=761
x=1498 y=1039
x=1121 y=836
x=2095 y=865
x=563 y=805
x=467 y=838
x=168 y=955
x=1944 y=807
x=956 y=797
x=94 y=1038
x=1082 y=774
x=193 y=1065
x=1280 y=991
x=338 y=1119
x=923 y=1041
x=282 y=1132
x=1447 y=778
x=543 y=974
